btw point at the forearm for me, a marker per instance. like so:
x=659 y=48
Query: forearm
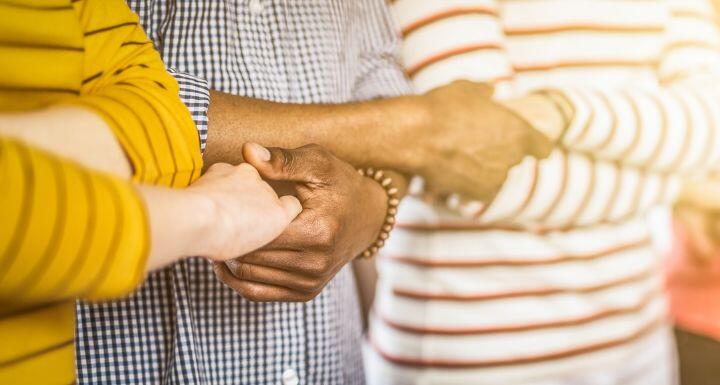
x=363 y=134
x=71 y=132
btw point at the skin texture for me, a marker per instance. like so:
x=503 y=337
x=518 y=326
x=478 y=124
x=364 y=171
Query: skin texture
x=438 y=136
x=71 y=132
x=328 y=234
x=228 y=212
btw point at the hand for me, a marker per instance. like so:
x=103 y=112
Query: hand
x=543 y=113
x=228 y=212
x=469 y=142
x=342 y=215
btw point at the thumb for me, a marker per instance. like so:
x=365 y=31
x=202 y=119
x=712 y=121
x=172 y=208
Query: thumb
x=297 y=165
x=291 y=205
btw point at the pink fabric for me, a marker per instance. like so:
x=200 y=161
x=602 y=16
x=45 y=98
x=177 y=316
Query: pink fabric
x=693 y=288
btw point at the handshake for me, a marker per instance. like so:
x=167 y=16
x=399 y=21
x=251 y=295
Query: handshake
x=270 y=248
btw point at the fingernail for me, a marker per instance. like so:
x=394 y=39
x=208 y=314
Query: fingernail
x=261 y=152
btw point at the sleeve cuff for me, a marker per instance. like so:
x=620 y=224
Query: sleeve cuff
x=195 y=93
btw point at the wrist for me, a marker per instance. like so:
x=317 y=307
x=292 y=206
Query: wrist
x=201 y=233
x=387 y=198
x=414 y=116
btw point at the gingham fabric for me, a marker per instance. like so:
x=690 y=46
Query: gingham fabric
x=184 y=326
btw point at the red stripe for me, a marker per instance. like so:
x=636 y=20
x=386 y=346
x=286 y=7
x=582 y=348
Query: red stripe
x=470 y=226
x=450 y=53
x=460 y=364
x=653 y=28
x=644 y=301
x=427 y=262
x=412 y=294
x=460 y=11
x=583 y=63
x=696 y=15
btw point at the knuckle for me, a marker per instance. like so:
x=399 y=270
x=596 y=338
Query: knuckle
x=242 y=271
x=289 y=160
x=247 y=168
x=318 y=155
x=216 y=167
x=320 y=267
x=308 y=286
x=325 y=236
x=326 y=264
x=252 y=293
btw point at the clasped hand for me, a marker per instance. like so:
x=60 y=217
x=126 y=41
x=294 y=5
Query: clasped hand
x=342 y=214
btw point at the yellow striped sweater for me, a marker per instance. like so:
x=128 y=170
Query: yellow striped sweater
x=67 y=233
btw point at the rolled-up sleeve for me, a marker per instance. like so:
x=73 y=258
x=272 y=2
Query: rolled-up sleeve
x=126 y=83
x=195 y=93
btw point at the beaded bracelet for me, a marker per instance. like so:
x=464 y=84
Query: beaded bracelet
x=393 y=201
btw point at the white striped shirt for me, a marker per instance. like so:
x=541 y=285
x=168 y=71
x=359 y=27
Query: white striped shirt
x=555 y=281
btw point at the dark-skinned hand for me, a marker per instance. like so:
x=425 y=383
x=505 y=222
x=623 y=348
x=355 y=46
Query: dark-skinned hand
x=342 y=215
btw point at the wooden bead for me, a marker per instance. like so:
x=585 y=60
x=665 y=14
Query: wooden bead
x=393 y=202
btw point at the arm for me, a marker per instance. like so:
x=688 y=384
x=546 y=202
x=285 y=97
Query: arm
x=69 y=232
x=131 y=95
x=537 y=193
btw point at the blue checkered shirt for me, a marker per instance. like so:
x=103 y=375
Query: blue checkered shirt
x=184 y=326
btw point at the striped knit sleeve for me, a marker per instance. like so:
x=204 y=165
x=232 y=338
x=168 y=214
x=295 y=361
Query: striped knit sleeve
x=66 y=232
x=380 y=72
x=444 y=40
x=672 y=128
x=571 y=190
x=126 y=82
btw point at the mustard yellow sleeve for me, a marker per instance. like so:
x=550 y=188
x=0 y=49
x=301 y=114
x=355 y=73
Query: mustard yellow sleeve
x=66 y=232
x=126 y=82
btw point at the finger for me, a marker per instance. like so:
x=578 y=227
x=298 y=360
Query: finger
x=248 y=169
x=272 y=276
x=259 y=292
x=291 y=205
x=292 y=261
x=305 y=164
x=298 y=234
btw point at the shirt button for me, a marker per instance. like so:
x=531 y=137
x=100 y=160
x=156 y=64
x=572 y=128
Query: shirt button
x=290 y=377
x=256 y=7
